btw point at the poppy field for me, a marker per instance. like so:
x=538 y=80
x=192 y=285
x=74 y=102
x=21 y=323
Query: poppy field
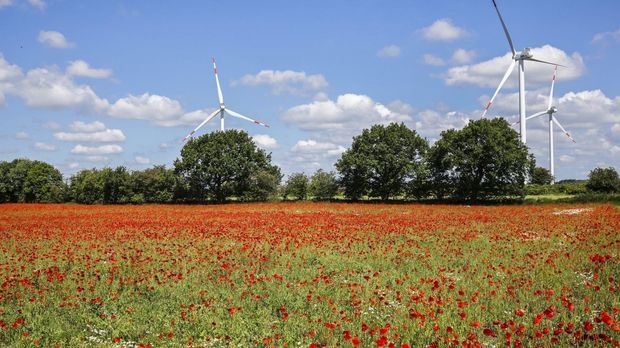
x=309 y=275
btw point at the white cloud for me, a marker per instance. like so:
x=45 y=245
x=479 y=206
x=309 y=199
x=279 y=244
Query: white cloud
x=95 y=159
x=79 y=126
x=142 y=160
x=430 y=59
x=73 y=165
x=96 y=150
x=22 y=135
x=47 y=88
x=44 y=146
x=265 y=141
x=463 y=56
x=192 y=118
x=147 y=106
x=606 y=37
x=443 y=30
x=8 y=71
x=81 y=68
x=312 y=146
x=615 y=129
x=108 y=135
x=40 y=4
x=339 y=120
x=389 y=52
x=490 y=72
x=287 y=81
x=54 y=39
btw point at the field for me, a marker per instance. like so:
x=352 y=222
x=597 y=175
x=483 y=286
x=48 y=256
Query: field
x=309 y=274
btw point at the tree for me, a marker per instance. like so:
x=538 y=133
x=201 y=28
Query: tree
x=153 y=185
x=603 y=180
x=484 y=160
x=43 y=183
x=541 y=176
x=86 y=186
x=382 y=161
x=221 y=164
x=116 y=185
x=297 y=186
x=323 y=185
x=24 y=180
x=263 y=185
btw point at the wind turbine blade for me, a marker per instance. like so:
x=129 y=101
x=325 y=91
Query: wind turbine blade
x=536 y=115
x=202 y=124
x=508 y=72
x=555 y=120
x=552 y=84
x=238 y=115
x=545 y=62
x=217 y=81
x=512 y=47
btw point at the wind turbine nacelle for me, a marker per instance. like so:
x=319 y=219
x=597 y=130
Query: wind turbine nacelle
x=553 y=109
x=526 y=53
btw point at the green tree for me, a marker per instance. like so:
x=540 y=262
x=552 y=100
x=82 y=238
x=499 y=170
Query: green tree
x=323 y=185
x=263 y=184
x=86 y=186
x=221 y=164
x=297 y=186
x=382 y=162
x=484 y=160
x=116 y=185
x=541 y=176
x=43 y=183
x=603 y=180
x=153 y=185
x=24 y=180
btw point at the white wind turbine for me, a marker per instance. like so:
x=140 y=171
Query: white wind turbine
x=519 y=57
x=550 y=111
x=222 y=110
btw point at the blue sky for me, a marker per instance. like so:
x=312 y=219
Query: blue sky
x=104 y=83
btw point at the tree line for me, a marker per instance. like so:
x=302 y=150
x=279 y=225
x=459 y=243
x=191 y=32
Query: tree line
x=483 y=161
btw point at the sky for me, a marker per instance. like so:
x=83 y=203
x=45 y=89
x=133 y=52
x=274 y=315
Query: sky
x=87 y=84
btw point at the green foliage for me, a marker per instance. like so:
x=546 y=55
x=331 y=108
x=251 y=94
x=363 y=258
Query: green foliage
x=484 y=160
x=108 y=186
x=603 y=180
x=27 y=181
x=541 y=176
x=153 y=185
x=263 y=185
x=221 y=164
x=297 y=186
x=86 y=186
x=323 y=185
x=382 y=161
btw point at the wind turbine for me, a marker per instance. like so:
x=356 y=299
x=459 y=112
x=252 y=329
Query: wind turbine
x=222 y=110
x=550 y=111
x=517 y=57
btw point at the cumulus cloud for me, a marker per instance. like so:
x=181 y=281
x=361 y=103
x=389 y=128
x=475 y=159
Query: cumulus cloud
x=5 y=3
x=430 y=59
x=607 y=37
x=342 y=118
x=96 y=150
x=51 y=125
x=389 y=52
x=43 y=146
x=54 y=39
x=443 y=30
x=142 y=160
x=463 y=56
x=287 y=81
x=79 y=126
x=146 y=106
x=490 y=72
x=265 y=141
x=39 y=4
x=73 y=165
x=95 y=159
x=81 y=68
x=48 y=88
x=107 y=136
x=22 y=135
